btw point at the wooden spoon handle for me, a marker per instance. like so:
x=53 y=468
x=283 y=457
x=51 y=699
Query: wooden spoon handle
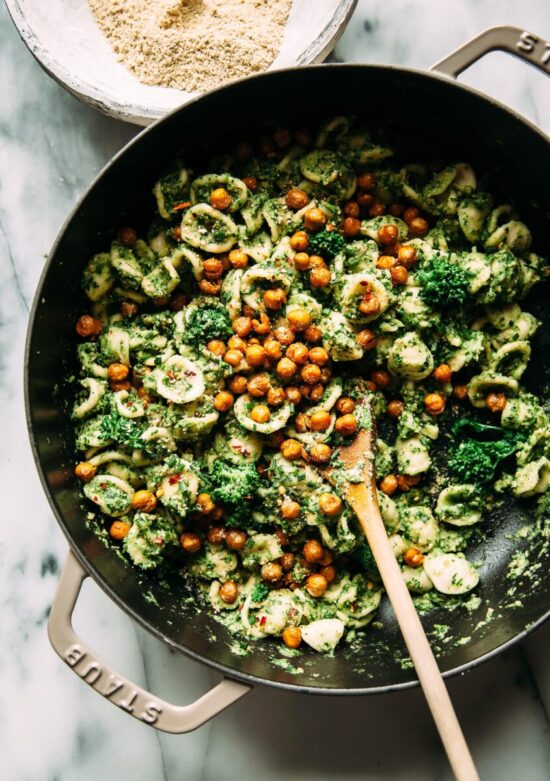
x=364 y=503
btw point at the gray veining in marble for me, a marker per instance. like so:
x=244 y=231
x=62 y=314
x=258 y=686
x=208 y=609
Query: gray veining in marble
x=52 y=727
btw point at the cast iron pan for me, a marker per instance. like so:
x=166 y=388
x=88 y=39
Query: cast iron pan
x=427 y=116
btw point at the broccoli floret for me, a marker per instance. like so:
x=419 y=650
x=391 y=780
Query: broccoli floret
x=476 y=461
x=205 y=323
x=259 y=592
x=442 y=284
x=234 y=485
x=364 y=556
x=326 y=243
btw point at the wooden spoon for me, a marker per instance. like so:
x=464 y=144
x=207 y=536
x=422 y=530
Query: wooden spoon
x=361 y=497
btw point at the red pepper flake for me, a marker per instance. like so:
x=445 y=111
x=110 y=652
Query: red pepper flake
x=176 y=233
x=158 y=541
x=263 y=620
x=171 y=375
x=94 y=499
x=179 y=206
x=173 y=479
x=189 y=373
x=103 y=486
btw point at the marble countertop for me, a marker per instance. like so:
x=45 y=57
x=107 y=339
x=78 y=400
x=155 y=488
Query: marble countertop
x=52 y=727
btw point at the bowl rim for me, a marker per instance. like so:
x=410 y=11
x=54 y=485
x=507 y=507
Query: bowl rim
x=226 y=671
x=139 y=113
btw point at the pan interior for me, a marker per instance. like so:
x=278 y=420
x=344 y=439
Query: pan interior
x=426 y=118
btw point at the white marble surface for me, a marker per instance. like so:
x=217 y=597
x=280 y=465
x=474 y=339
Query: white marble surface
x=53 y=727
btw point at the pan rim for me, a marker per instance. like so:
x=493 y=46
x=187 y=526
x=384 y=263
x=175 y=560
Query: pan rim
x=86 y=564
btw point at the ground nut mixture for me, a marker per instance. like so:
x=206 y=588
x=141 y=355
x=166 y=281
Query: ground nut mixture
x=193 y=45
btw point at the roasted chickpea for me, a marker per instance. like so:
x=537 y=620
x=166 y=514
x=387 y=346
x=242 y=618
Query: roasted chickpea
x=395 y=408
x=242 y=326
x=316 y=585
x=210 y=287
x=460 y=391
x=275 y=397
x=220 y=199
x=190 y=542
x=388 y=234
x=345 y=405
x=299 y=241
x=369 y=305
x=223 y=401
x=320 y=453
x=237 y=384
x=303 y=136
x=406 y=256
x=365 y=200
x=316 y=261
x=399 y=275
x=291 y=449
x=233 y=357
x=85 y=471
x=213 y=268
x=388 y=485
x=351 y=209
x=88 y=327
x=292 y=637
x=205 y=503
x=119 y=529
x=293 y=394
x=298 y=319
x=258 y=385
x=318 y=355
x=124 y=385
x=251 y=182
x=296 y=198
x=366 y=339
x=351 y=227
x=319 y=420
x=381 y=378
x=386 y=262
x=236 y=343
x=442 y=373
x=229 y=591
x=434 y=403
x=243 y=152
x=128 y=309
x=260 y=413
x=313 y=551
x=117 y=372
x=127 y=237
x=273 y=349
x=144 y=501
x=263 y=325
x=396 y=209
x=272 y=572
x=302 y=261
x=238 y=258
x=313 y=333
x=330 y=504
x=298 y=353
x=405 y=482
x=411 y=214
x=496 y=402
x=282 y=137
x=255 y=355
x=275 y=298
x=284 y=335
x=216 y=535
x=310 y=373
x=314 y=219
x=235 y=539
x=328 y=572
x=286 y=368
x=366 y=181
x=418 y=227
x=377 y=209
x=320 y=277
x=288 y=559
x=217 y=347
x=413 y=557
x=290 y=509
x=346 y=425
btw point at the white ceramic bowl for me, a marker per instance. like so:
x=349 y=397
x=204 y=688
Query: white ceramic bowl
x=68 y=44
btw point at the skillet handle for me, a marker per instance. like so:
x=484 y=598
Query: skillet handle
x=136 y=701
x=514 y=40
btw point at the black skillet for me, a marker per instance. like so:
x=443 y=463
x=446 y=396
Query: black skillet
x=429 y=115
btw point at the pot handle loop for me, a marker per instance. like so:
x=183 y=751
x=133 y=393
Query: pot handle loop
x=520 y=43
x=136 y=701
